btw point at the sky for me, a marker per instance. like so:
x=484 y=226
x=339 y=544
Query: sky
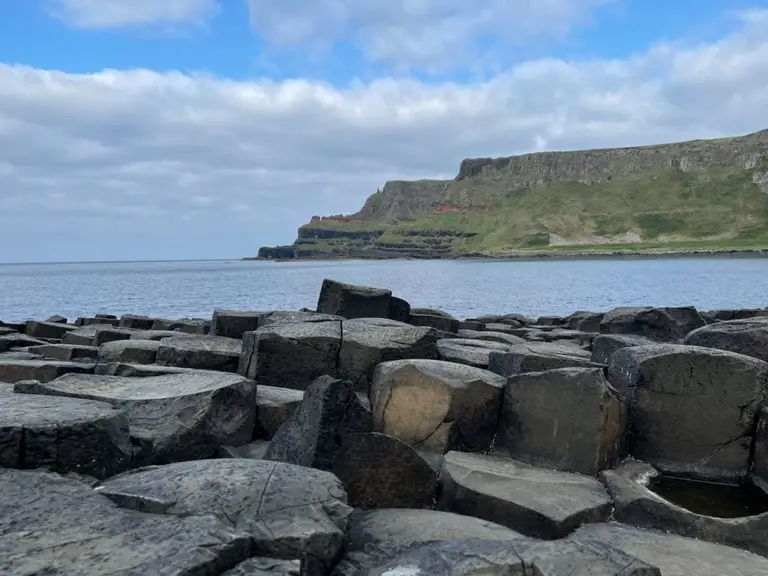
x=202 y=129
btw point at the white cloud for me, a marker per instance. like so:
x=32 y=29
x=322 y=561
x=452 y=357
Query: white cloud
x=195 y=166
x=119 y=13
x=427 y=34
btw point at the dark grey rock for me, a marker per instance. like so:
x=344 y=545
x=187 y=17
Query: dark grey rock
x=274 y=408
x=87 y=321
x=470 y=352
x=637 y=505
x=136 y=322
x=760 y=452
x=157 y=334
x=129 y=352
x=471 y=557
x=173 y=417
x=200 y=352
x=436 y=406
x=20 y=354
x=725 y=314
x=673 y=555
x=313 y=435
x=186 y=325
x=606 y=344
x=510 y=493
x=537 y=357
x=661 y=324
x=399 y=309
x=291 y=355
x=234 y=323
x=749 y=337
x=472 y=325
x=378 y=536
x=266 y=567
x=367 y=342
x=293 y=316
x=351 y=301
x=140 y=370
x=550 y=321
x=692 y=410
x=41 y=370
x=584 y=321
x=434 y=321
x=255 y=450
x=63 y=434
x=491 y=336
x=65 y=352
x=379 y=471
x=16 y=340
x=55 y=525
x=569 y=419
x=57 y=319
x=38 y=329
x=290 y=512
x=106 y=334
x=433 y=312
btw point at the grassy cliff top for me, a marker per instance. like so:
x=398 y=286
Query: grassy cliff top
x=700 y=193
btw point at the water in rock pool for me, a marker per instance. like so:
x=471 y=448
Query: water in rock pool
x=462 y=287
x=709 y=498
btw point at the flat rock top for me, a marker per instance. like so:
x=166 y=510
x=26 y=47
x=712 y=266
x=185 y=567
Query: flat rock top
x=203 y=342
x=374 y=331
x=293 y=316
x=53 y=363
x=273 y=395
x=550 y=349
x=644 y=353
x=149 y=388
x=480 y=345
x=449 y=372
x=674 y=555
x=50 y=524
x=241 y=492
x=118 y=345
x=557 y=494
x=300 y=330
x=404 y=527
x=34 y=411
x=734 y=326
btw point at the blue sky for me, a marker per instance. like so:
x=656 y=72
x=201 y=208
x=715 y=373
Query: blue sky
x=205 y=128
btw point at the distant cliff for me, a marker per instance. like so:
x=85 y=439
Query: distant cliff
x=703 y=194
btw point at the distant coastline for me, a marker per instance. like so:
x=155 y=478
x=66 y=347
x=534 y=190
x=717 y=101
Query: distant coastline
x=550 y=255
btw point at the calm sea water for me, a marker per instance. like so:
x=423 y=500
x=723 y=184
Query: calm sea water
x=464 y=288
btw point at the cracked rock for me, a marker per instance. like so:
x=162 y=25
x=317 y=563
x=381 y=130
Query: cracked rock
x=200 y=352
x=660 y=324
x=65 y=352
x=129 y=351
x=537 y=357
x=313 y=435
x=491 y=336
x=569 y=419
x=436 y=406
x=604 y=345
x=748 y=337
x=291 y=355
x=63 y=435
x=274 y=407
x=40 y=370
x=673 y=555
x=470 y=352
x=50 y=524
x=289 y=511
x=367 y=342
x=378 y=536
x=54 y=330
x=691 y=409
x=172 y=417
x=511 y=493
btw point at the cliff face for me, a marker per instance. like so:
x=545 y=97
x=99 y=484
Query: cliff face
x=704 y=193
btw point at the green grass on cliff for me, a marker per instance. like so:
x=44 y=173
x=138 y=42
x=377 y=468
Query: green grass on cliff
x=707 y=208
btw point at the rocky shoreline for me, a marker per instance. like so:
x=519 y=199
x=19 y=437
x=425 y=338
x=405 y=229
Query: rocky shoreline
x=370 y=437
x=545 y=255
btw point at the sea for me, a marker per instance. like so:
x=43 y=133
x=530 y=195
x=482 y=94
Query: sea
x=465 y=288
